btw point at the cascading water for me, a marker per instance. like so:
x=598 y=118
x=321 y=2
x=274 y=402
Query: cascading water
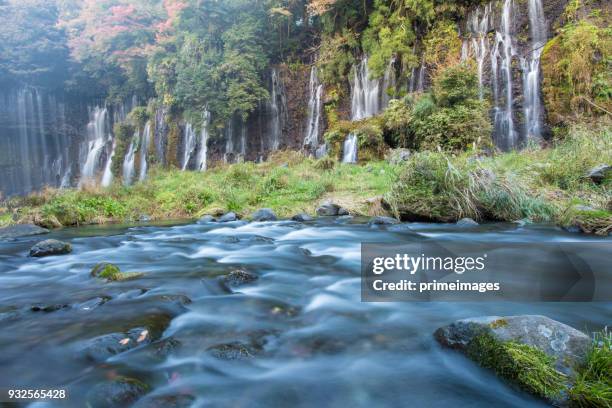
x=350 y=149
x=389 y=84
x=243 y=141
x=502 y=50
x=107 y=176
x=144 y=150
x=229 y=141
x=365 y=93
x=98 y=135
x=201 y=161
x=531 y=71
x=278 y=110
x=129 y=160
x=314 y=111
x=189 y=145
x=34 y=147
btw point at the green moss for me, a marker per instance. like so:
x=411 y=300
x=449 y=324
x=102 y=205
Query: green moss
x=112 y=273
x=528 y=367
x=498 y=323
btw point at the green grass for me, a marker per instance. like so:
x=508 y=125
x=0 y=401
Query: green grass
x=593 y=385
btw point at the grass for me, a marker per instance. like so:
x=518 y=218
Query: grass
x=593 y=384
x=537 y=184
x=288 y=183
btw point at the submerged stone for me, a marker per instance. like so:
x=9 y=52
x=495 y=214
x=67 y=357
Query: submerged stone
x=466 y=223
x=21 y=230
x=120 y=392
x=50 y=247
x=234 y=351
x=101 y=348
x=166 y=401
x=264 y=214
x=238 y=277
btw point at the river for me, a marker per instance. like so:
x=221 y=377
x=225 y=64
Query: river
x=298 y=336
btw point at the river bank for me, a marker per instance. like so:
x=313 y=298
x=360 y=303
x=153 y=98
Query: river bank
x=541 y=185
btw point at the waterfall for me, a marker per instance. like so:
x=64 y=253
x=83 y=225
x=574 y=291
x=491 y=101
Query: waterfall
x=365 y=93
x=531 y=71
x=229 y=141
x=107 y=176
x=189 y=144
x=389 y=83
x=421 y=80
x=201 y=162
x=98 y=135
x=128 y=161
x=479 y=25
x=34 y=147
x=144 y=150
x=314 y=110
x=278 y=110
x=350 y=149
x=243 y=140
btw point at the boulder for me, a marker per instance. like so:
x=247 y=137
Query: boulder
x=264 y=214
x=229 y=217
x=331 y=210
x=21 y=230
x=111 y=272
x=535 y=352
x=206 y=219
x=598 y=173
x=467 y=223
x=50 y=247
x=383 y=221
x=120 y=392
x=301 y=217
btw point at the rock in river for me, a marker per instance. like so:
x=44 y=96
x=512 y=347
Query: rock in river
x=535 y=352
x=21 y=230
x=301 y=217
x=50 y=247
x=238 y=277
x=466 y=223
x=383 y=221
x=120 y=392
x=264 y=214
x=101 y=348
x=230 y=216
x=331 y=210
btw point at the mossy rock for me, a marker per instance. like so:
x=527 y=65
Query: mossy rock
x=120 y=392
x=112 y=273
x=535 y=353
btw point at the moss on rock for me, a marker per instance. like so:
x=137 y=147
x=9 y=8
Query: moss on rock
x=112 y=273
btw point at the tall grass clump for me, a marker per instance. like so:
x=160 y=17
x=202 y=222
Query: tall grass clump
x=593 y=384
x=440 y=187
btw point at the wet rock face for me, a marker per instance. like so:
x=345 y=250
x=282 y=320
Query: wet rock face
x=50 y=247
x=467 y=223
x=21 y=230
x=565 y=344
x=121 y=392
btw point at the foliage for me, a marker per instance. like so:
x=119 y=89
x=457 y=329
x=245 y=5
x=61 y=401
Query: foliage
x=32 y=48
x=577 y=73
x=442 y=45
x=336 y=56
x=593 y=385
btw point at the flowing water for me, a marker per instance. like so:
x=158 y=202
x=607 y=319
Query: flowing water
x=350 y=149
x=531 y=71
x=304 y=338
x=189 y=145
x=278 y=110
x=98 y=136
x=130 y=159
x=313 y=120
x=365 y=92
x=144 y=150
x=201 y=162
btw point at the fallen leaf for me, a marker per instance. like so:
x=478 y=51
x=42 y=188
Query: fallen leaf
x=125 y=341
x=143 y=336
